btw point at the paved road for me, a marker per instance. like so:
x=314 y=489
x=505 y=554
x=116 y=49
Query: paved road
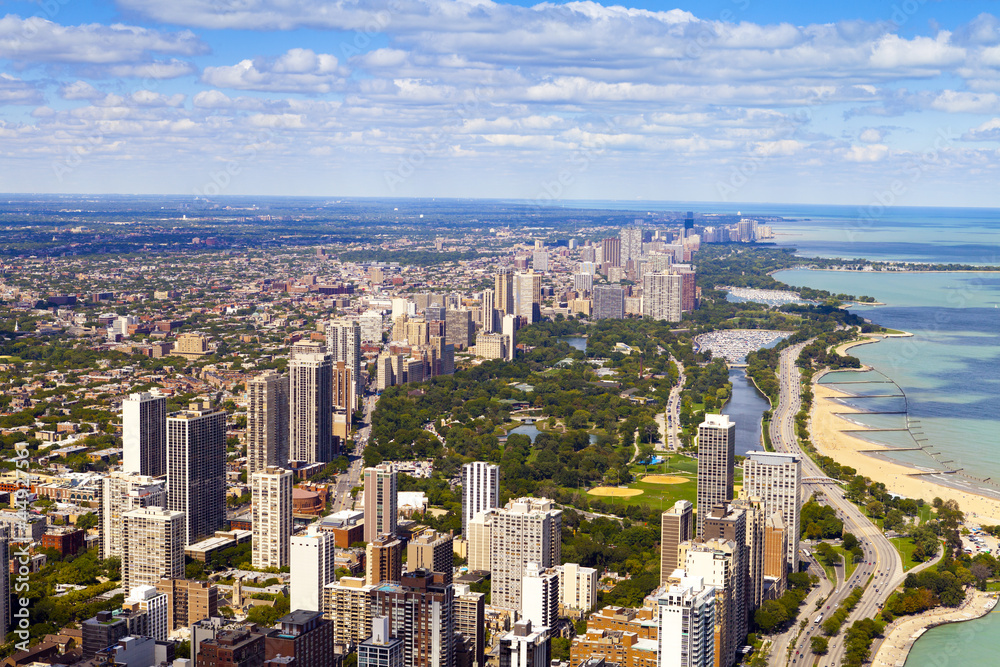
x=347 y=481
x=672 y=419
x=881 y=561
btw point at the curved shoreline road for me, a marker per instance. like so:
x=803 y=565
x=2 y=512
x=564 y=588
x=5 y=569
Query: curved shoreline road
x=881 y=561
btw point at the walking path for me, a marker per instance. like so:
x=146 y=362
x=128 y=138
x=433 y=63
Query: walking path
x=902 y=633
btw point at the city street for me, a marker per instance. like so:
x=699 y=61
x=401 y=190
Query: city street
x=346 y=481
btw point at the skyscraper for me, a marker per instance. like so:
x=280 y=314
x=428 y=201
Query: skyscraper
x=715 y=561
x=612 y=251
x=776 y=478
x=343 y=341
x=716 y=459
x=676 y=526
x=310 y=413
x=686 y=633
x=526 y=530
x=459 y=328
x=510 y=333
x=583 y=282
x=420 y=609
x=540 y=261
x=662 y=296
x=144 y=434
x=155 y=604
x=271 y=492
x=267 y=421
x=380 y=501
x=383 y=560
x=727 y=522
x=470 y=623
x=196 y=469
x=505 y=290
x=124 y=492
x=489 y=314
x=344 y=397
x=528 y=295
x=631 y=243
x=154 y=546
x=312 y=568
x=540 y=595
x=609 y=302
x=433 y=551
x=480 y=490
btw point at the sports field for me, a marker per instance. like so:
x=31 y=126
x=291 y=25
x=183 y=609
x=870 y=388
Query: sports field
x=665 y=479
x=614 y=492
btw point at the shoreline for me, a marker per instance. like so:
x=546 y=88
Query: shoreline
x=903 y=633
x=829 y=439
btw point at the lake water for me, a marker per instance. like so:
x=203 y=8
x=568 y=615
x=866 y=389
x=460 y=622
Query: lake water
x=577 y=342
x=945 y=370
x=745 y=408
x=532 y=432
x=968 y=644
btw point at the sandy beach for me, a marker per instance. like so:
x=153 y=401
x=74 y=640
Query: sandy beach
x=829 y=440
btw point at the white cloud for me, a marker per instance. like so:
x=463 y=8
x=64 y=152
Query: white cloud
x=80 y=90
x=869 y=153
x=988 y=131
x=37 y=40
x=17 y=91
x=870 y=135
x=297 y=71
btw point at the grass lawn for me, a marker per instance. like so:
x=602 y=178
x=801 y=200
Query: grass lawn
x=849 y=565
x=905 y=546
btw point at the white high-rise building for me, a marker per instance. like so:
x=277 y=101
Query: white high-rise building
x=154 y=546
x=489 y=314
x=510 y=332
x=122 y=493
x=371 y=326
x=267 y=421
x=480 y=538
x=776 y=478
x=271 y=491
x=662 y=296
x=577 y=587
x=716 y=461
x=686 y=633
x=196 y=469
x=312 y=568
x=716 y=562
x=540 y=595
x=480 y=490
x=343 y=341
x=631 y=238
x=145 y=598
x=310 y=412
x=380 y=502
x=526 y=530
x=144 y=434
x=526 y=645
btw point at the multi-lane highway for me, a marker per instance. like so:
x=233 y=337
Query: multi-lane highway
x=881 y=563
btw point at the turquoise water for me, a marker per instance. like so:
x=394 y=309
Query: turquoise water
x=968 y=644
x=946 y=369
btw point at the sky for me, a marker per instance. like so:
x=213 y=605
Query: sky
x=850 y=102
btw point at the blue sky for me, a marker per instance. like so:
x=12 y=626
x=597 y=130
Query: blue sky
x=720 y=100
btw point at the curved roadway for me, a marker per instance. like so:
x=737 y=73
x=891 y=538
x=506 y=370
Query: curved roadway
x=881 y=562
